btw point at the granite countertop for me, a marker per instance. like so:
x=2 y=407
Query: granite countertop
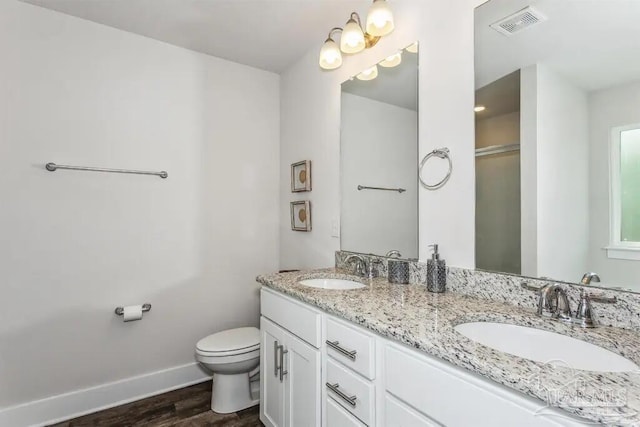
x=425 y=321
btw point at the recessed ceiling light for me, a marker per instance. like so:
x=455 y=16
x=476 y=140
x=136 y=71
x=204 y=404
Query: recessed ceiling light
x=479 y=108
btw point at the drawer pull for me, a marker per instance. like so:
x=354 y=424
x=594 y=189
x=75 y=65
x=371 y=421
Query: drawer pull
x=351 y=400
x=351 y=354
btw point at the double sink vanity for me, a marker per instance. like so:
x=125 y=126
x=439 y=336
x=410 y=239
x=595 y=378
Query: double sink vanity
x=557 y=162
x=342 y=350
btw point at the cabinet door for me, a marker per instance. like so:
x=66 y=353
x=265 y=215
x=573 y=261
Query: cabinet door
x=272 y=399
x=302 y=387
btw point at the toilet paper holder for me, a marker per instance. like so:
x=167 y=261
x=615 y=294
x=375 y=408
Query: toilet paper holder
x=145 y=307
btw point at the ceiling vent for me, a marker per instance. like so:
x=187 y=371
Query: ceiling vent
x=519 y=21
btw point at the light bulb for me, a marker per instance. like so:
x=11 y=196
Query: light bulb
x=368 y=74
x=379 y=19
x=352 y=39
x=413 y=48
x=392 y=61
x=330 y=56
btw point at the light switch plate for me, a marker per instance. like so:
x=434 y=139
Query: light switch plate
x=335 y=228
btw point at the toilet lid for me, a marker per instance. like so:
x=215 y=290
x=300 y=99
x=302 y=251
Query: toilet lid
x=240 y=339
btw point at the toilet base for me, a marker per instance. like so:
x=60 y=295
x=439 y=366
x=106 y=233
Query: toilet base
x=231 y=393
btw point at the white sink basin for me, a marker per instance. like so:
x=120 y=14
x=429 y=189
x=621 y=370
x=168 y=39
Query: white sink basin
x=543 y=346
x=331 y=284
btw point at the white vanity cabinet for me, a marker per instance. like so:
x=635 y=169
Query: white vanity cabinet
x=319 y=370
x=349 y=372
x=290 y=367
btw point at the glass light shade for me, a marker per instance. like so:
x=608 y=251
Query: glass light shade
x=391 y=61
x=379 y=19
x=330 y=56
x=413 y=48
x=368 y=74
x=352 y=39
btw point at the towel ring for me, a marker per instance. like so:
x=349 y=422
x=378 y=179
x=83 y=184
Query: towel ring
x=442 y=153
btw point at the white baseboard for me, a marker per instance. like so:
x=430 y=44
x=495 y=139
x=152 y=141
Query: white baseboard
x=81 y=402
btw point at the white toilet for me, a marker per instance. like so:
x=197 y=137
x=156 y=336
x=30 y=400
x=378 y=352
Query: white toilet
x=234 y=358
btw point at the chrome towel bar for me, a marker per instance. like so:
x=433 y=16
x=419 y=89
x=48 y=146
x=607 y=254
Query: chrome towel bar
x=52 y=167
x=399 y=190
x=120 y=310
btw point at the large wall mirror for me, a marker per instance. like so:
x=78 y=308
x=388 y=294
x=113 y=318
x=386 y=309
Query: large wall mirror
x=379 y=157
x=558 y=139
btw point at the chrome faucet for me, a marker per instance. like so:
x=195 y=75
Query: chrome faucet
x=553 y=303
x=361 y=264
x=588 y=277
x=394 y=253
x=364 y=267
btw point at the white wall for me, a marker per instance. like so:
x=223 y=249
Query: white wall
x=608 y=108
x=561 y=178
x=75 y=245
x=310 y=123
x=379 y=141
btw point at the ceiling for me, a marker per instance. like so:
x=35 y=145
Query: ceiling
x=396 y=86
x=266 y=34
x=594 y=43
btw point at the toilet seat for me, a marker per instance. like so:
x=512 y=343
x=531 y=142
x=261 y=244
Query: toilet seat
x=232 y=342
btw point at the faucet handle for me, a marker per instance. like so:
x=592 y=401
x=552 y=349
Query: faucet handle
x=370 y=272
x=584 y=314
x=529 y=287
x=602 y=299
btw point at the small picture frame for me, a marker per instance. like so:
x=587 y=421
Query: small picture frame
x=301 y=176
x=301 y=215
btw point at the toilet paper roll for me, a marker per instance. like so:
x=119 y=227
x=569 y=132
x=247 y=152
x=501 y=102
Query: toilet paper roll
x=132 y=312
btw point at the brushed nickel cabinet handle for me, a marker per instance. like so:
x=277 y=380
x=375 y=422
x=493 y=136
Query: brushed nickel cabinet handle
x=351 y=400
x=275 y=358
x=351 y=354
x=282 y=371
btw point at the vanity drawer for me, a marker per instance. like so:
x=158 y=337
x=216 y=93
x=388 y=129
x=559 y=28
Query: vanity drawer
x=337 y=416
x=292 y=315
x=353 y=348
x=397 y=414
x=352 y=392
x=431 y=386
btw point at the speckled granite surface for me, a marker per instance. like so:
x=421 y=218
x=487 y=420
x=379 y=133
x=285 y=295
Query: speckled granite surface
x=426 y=321
x=506 y=288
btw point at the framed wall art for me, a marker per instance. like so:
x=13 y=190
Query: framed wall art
x=301 y=215
x=301 y=176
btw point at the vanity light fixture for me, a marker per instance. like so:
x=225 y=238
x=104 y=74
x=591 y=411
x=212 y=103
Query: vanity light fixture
x=330 y=56
x=354 y=38
x=413 y=48
x=392 y=61
x=368 y=74
x=479 y=108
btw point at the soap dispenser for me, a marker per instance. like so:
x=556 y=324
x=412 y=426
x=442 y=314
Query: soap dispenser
x=436 y=272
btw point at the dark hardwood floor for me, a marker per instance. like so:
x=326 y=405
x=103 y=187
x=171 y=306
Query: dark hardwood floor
x=187 y=407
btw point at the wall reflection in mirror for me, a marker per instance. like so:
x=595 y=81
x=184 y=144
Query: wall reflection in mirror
x=558 y=139
x=379 y=157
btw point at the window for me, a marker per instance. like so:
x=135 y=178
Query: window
x=625 y=193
